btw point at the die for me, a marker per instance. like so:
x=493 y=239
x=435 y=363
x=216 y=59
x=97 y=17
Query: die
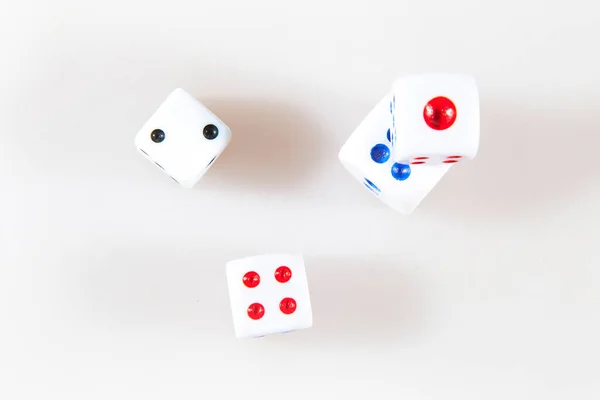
x=269 y=295
x=183 y=138
x=435 y=118
x=367 y=155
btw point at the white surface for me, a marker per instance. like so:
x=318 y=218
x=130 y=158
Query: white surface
x=355 y=155
x=414 y=138
x=269 y=294
x=184 y=154
x=111 y=276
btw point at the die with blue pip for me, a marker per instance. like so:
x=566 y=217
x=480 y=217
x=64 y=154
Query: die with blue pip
x=183 y=138
x=413 y=136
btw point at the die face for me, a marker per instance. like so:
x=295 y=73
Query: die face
x=269 y=294
x=185 y=152
x=437 y=119
x=367 y=155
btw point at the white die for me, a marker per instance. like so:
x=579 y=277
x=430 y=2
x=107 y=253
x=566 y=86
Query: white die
x=189 y=145
x=269 y=294
x=436 y=118
x=367 y=156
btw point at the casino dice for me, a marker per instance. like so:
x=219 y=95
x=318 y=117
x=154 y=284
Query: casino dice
x=269 y=295
x=435 y=118
x=367 y=155
x=183 y=138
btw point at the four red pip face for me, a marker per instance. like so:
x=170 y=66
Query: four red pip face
x=269 y=294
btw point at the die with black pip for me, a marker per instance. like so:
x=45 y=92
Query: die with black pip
x=183 y=138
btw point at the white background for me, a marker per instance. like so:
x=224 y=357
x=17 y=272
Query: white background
x=112 y=282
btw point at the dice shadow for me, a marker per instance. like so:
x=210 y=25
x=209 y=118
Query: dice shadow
x=129 y=290
x=273 y=146
x=361 y=300
x=88 y=133
x=531 y=162
x=151 y=289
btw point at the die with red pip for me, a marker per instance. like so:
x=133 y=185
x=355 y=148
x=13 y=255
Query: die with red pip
x=269 y=295
x=435 y=119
